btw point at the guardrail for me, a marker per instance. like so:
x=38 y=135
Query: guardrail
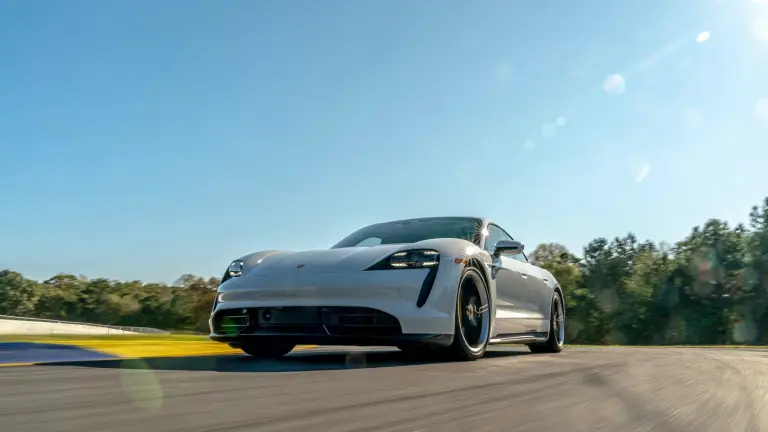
x=127 y=329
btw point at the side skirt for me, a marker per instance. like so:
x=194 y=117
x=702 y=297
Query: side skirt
x=519 y=338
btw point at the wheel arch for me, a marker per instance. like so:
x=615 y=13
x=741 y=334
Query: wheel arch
x=481 y=268
x=557 y=290
x=472 y=270
x=562 y=295
x=476 y=264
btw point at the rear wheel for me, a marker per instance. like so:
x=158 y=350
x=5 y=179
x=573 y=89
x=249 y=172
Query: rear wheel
x=554 y=343
x=267 y=350
x=473 y=317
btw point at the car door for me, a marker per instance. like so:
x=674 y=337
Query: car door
x=507 y=272
x=537 y=293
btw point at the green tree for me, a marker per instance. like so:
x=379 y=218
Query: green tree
x=17 y=294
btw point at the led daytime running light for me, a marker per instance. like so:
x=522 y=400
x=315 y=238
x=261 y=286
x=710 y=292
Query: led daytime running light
x=414 y=259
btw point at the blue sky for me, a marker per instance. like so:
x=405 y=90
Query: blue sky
x=144 y=139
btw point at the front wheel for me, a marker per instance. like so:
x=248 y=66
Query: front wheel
x=473 y=317
x=554 y=343
x=267 y=350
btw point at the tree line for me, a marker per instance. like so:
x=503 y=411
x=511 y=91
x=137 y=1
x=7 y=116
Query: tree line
x=709 y=288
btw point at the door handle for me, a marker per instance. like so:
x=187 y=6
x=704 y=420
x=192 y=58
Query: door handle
x=524 y=275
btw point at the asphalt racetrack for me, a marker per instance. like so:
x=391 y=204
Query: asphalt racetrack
x=581 y=389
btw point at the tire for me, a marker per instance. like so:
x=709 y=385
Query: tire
x=267 y=350
x=472 y=322
x=556 y=340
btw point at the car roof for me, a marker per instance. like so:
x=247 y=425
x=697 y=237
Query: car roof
x=479 y=218
x=484 y=221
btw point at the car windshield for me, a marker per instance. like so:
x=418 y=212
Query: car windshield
x=414 y=230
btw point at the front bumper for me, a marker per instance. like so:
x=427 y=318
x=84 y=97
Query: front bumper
x=308 y=301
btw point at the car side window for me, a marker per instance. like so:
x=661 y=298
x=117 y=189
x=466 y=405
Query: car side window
x=494 y=235
x=521 y=257
x=370 y=241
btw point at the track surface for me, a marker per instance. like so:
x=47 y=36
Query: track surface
x=611 y=389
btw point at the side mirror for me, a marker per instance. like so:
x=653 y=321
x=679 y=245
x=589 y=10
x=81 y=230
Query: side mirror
x=513 y=247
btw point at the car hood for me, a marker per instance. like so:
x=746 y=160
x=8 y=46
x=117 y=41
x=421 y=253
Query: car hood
x=324 y=261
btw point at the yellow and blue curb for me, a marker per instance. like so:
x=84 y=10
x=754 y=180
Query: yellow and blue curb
x=30 y=351
x=25 y=353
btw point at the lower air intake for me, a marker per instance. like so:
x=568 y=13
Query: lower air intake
x=309 y=320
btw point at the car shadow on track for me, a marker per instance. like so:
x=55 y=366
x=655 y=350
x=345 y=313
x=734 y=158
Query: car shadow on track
x=299 y=361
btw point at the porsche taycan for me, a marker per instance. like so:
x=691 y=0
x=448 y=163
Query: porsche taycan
x=453 y=285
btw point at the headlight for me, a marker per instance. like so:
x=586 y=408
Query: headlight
x=235 y=269
x=414 y=259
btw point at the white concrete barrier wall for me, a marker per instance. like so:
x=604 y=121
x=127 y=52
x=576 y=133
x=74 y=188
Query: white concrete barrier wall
x=31 y=326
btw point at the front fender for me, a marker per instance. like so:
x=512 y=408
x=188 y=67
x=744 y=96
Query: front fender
x=253 y=259
x=448 y=247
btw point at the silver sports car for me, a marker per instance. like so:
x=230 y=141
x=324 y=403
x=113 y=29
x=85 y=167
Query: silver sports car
x=443 y=284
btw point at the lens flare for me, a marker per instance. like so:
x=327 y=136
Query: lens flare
x=548 y=130
x=760 y=29
x=140 y=383
x=614 y=84
x=761 y=109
